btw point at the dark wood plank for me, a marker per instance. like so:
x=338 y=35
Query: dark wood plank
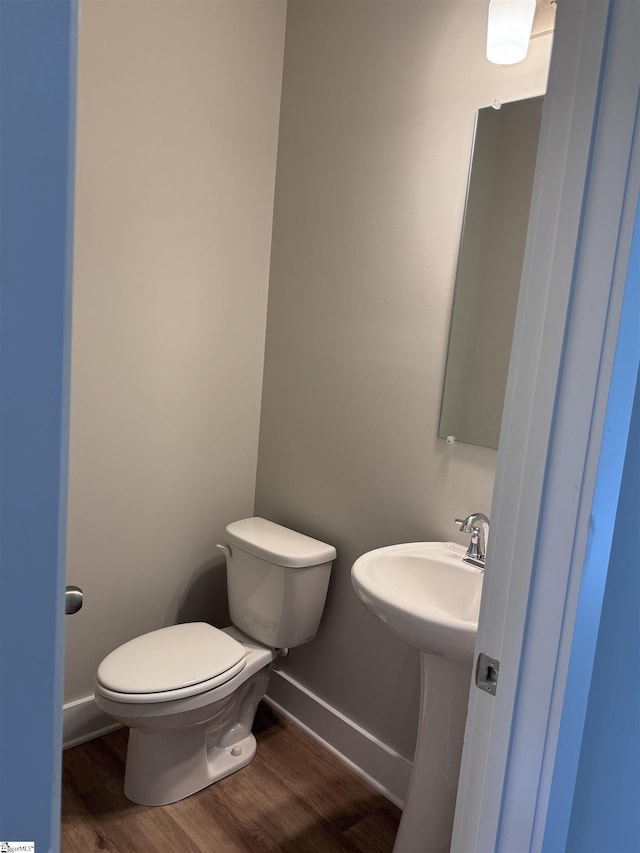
x=294 y=796
x=376 y=832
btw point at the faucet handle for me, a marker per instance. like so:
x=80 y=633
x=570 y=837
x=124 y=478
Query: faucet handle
x=471 y=524
x=474 y=551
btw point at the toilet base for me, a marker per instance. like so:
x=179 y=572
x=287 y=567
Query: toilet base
x=166 y=765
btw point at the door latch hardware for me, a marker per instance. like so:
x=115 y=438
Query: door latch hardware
x=487 y=673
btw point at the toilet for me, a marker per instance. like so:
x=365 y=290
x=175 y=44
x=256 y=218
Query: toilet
x=189 y=693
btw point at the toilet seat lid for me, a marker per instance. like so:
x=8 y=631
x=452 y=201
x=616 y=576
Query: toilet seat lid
x=174 y=658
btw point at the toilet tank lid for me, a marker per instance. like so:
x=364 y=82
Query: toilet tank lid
x=278 y=544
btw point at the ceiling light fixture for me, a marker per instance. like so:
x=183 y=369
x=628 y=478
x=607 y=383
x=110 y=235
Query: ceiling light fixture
x=509 y=30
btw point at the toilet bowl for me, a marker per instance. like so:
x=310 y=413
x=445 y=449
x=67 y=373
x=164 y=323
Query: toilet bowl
x=184 y=739
x=189 y=692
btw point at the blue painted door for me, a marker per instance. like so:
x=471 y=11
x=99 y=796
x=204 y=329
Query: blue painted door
x=37 y=110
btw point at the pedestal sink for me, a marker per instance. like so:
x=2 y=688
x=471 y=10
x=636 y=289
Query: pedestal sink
x=426 y=595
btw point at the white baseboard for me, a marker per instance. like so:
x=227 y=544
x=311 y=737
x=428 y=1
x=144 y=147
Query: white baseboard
x=382 y=767
x=82 y=720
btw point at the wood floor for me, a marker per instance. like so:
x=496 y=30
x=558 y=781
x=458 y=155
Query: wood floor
x=294 y=796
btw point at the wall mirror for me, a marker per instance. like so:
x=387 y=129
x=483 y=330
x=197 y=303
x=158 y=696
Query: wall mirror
x=489 y=270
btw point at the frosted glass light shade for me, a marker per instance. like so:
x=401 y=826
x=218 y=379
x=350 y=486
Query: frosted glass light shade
x=509 y=30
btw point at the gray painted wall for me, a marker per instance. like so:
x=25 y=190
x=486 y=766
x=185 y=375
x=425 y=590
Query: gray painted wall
x=178 y=111
x=177 y=133
x=376 y=125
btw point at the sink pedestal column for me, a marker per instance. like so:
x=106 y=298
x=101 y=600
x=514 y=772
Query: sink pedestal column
x=427 y=819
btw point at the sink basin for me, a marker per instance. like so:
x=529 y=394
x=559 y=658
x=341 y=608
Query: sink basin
x=424 y=593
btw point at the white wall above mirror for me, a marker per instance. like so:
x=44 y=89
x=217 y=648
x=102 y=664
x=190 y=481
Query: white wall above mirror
x=489 y=269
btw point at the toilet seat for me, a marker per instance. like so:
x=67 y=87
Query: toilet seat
x=171 y=663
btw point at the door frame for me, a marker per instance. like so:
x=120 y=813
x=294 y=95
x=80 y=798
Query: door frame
x=545 y=513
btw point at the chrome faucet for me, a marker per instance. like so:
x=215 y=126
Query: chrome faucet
x=477 y=549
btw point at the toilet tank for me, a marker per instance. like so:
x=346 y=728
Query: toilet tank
x=277 y=581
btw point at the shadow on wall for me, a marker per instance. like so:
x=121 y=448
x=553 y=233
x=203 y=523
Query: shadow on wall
x=205 y=595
